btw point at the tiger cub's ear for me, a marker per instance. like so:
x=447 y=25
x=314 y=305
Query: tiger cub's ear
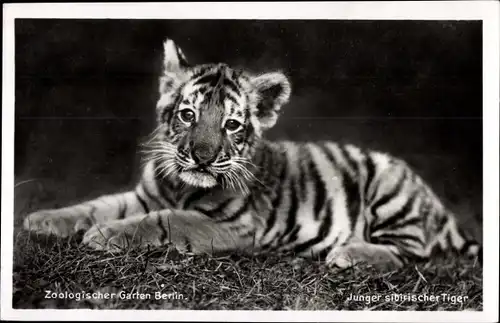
x=174 y=66
x=173 y=57
x=273 y=91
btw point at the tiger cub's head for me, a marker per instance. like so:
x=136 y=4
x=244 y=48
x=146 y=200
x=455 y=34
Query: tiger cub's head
x=210 y=118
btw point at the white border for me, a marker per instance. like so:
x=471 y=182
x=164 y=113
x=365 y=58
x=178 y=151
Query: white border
x=487 y=11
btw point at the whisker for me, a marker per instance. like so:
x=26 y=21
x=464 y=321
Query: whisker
x=238 y=182
x=152 y=136
x=231 y=180
x=167 y=169
x=248 y=174
x=243 y=160
x=160 y=148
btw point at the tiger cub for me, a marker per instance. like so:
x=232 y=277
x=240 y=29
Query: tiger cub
x=211 y=183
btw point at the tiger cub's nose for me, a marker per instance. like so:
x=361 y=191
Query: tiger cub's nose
x=204 y=154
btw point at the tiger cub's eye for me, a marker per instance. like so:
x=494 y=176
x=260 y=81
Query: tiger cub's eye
x=186 y=115
x=232 y=125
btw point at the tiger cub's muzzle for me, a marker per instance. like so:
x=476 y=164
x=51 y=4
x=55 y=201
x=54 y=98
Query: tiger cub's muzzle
x=204 y=154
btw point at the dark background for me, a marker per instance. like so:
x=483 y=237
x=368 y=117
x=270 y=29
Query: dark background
x=86 y=92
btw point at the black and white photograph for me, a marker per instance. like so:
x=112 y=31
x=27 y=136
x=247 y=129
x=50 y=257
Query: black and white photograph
x=183 y=165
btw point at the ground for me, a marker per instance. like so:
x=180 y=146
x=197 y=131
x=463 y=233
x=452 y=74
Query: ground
x=44 y=263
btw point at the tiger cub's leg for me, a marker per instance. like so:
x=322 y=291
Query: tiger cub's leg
x=395 y=216
x=67 y=221
x=188 y=230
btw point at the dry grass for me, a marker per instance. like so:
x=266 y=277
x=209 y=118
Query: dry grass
x=232 y=282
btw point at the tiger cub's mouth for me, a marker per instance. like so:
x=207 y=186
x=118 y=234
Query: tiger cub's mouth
x=199 y=177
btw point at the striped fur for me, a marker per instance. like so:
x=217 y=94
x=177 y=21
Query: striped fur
x=211 y=183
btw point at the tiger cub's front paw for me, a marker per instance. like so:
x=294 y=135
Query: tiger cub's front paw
x=121 y=234
x=57 y=222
